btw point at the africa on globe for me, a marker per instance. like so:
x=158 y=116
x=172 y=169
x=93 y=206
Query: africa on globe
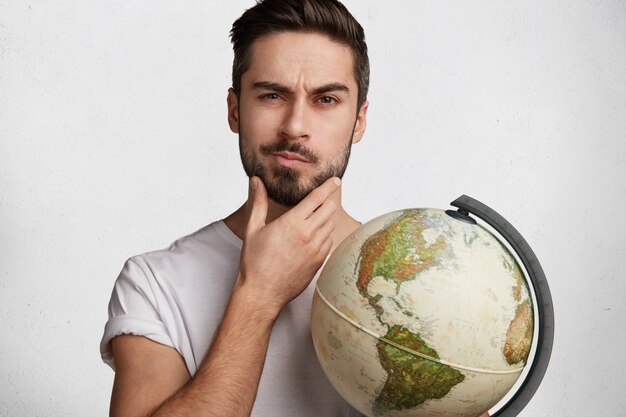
x=418 y=313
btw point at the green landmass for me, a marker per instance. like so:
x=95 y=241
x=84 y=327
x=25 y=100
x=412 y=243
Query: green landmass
x=398 y=252
x=411 y=380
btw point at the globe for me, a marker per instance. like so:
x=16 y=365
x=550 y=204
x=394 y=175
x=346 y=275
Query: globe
x=419 y=313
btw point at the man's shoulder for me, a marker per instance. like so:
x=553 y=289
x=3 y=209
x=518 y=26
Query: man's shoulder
x=208 y=246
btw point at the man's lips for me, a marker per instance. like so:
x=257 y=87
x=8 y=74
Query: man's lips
x=289 y=157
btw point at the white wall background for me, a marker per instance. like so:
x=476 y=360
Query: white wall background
x=114 y=142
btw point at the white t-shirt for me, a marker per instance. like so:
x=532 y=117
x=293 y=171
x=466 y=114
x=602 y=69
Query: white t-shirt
x=177 y=297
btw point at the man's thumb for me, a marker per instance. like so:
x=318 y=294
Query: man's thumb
x=257 y=196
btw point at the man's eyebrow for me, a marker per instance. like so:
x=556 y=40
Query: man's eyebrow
x=327 y=88
x=268 y=85
x=279 y=88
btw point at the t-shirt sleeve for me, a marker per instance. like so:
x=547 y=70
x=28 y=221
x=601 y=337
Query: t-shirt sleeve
x=133 y=309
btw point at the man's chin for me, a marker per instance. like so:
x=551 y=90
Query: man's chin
x=286 y=196
x=288 y=187
x=287 y=191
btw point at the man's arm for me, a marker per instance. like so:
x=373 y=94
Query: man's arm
x=152 y=380
x=278 y=262
x=146 y=374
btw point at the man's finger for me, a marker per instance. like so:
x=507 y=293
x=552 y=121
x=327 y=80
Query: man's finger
x=322 y=214
x=257 y=196
x=323 y=234
x=315 y=199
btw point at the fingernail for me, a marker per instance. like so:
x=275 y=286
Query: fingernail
x=337 y=181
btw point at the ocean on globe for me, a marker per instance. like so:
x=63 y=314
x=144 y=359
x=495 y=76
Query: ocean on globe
x=421 y=314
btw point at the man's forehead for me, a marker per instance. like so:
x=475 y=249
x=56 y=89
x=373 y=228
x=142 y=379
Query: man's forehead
x=308 y=58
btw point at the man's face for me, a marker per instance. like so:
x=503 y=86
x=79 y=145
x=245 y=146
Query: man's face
x=296 y=114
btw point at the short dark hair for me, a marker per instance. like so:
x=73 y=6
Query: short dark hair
x=328 y=17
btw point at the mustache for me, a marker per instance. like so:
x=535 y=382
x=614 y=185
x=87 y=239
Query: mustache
x=297 y=148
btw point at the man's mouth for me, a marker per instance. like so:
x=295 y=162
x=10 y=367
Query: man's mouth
x=289 y=159
x=294 y=153
x=290 y=156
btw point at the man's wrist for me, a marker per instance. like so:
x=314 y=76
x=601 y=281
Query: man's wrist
x=261 y=308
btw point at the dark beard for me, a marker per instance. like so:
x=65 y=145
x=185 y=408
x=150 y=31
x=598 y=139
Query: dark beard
x=284 y=187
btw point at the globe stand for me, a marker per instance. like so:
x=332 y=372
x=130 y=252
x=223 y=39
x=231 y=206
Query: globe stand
x=545 y=311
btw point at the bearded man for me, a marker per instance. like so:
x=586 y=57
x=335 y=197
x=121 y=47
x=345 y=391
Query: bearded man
x=189 y=328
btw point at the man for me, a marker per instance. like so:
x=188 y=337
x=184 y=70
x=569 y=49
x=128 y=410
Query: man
x=217 y=324
x=213 y=325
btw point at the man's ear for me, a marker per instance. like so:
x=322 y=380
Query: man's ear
x=233 y=110
x=361 y=122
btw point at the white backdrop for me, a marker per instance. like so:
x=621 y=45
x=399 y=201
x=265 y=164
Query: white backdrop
x=114 y=142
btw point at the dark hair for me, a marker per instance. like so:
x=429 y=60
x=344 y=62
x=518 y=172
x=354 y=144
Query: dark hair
x=328 y=17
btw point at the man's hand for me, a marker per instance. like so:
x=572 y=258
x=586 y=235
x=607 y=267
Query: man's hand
x=280 y=259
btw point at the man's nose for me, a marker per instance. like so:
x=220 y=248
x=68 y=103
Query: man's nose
x=296 y=121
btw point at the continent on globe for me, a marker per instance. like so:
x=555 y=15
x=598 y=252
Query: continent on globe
x=519 y=335
x=411 y=380
x=398 y=252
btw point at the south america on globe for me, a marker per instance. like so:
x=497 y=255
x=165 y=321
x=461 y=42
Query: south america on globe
x=420 y=314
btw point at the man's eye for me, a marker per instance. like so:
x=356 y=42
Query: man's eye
x=328 y=100
x=270 y=96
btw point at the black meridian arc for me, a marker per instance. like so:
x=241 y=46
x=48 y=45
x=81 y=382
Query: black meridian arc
x=545 y=310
